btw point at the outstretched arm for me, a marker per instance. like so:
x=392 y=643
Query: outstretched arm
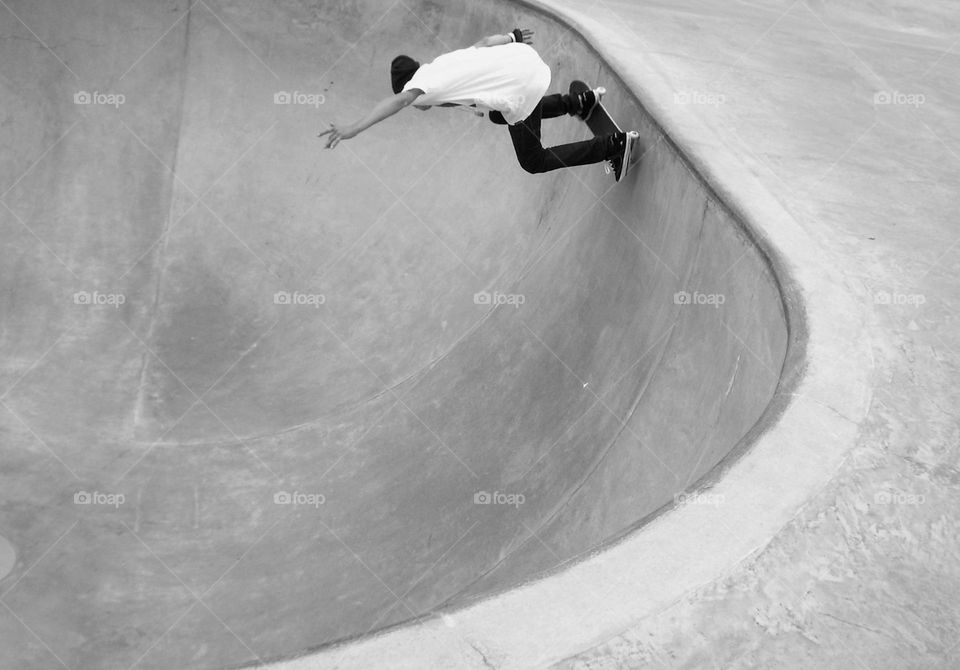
x=382 y=110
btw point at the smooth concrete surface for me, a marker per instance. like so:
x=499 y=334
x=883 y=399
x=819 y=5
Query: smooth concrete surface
x=8 y=557
x=254 y=400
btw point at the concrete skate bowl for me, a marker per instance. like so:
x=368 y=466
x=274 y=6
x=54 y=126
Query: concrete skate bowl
x=260 y=398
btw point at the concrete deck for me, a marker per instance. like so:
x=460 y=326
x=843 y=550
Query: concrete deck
x=800 y=166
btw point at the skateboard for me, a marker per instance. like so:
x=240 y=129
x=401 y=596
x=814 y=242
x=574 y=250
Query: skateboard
x=601 y=123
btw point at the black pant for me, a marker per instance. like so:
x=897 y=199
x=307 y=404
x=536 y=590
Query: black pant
x=534 y=158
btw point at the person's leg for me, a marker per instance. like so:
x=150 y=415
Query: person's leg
x=534 y=158
x=554 y=105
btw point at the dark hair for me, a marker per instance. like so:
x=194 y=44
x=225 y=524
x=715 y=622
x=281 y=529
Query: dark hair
x=402 y=70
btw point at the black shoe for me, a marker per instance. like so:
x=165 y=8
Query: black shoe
x=586 y=102
x=625 y=154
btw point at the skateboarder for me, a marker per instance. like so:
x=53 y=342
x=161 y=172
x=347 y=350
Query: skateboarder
x=503 y=75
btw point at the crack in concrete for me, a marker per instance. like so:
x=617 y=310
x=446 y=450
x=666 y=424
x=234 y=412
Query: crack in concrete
x=483 y=657
x=861 y=626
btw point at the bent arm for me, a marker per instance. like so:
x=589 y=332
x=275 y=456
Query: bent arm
x=518 y=35
x=493 y=41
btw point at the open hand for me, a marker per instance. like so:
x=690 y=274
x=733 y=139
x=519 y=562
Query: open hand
x=527 y=35
x=336 y=134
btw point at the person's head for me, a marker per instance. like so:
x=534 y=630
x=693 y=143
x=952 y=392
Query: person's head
x=402 y=70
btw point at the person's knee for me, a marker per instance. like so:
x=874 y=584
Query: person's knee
x=532 y=163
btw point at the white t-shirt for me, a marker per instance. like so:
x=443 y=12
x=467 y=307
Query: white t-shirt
x=509 y=78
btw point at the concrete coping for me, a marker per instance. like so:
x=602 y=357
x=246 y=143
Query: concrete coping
x=792 y=453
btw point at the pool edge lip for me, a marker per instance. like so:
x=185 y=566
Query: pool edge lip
x=804 y=435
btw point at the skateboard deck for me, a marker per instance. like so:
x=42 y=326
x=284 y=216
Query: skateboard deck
x=600 y=121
